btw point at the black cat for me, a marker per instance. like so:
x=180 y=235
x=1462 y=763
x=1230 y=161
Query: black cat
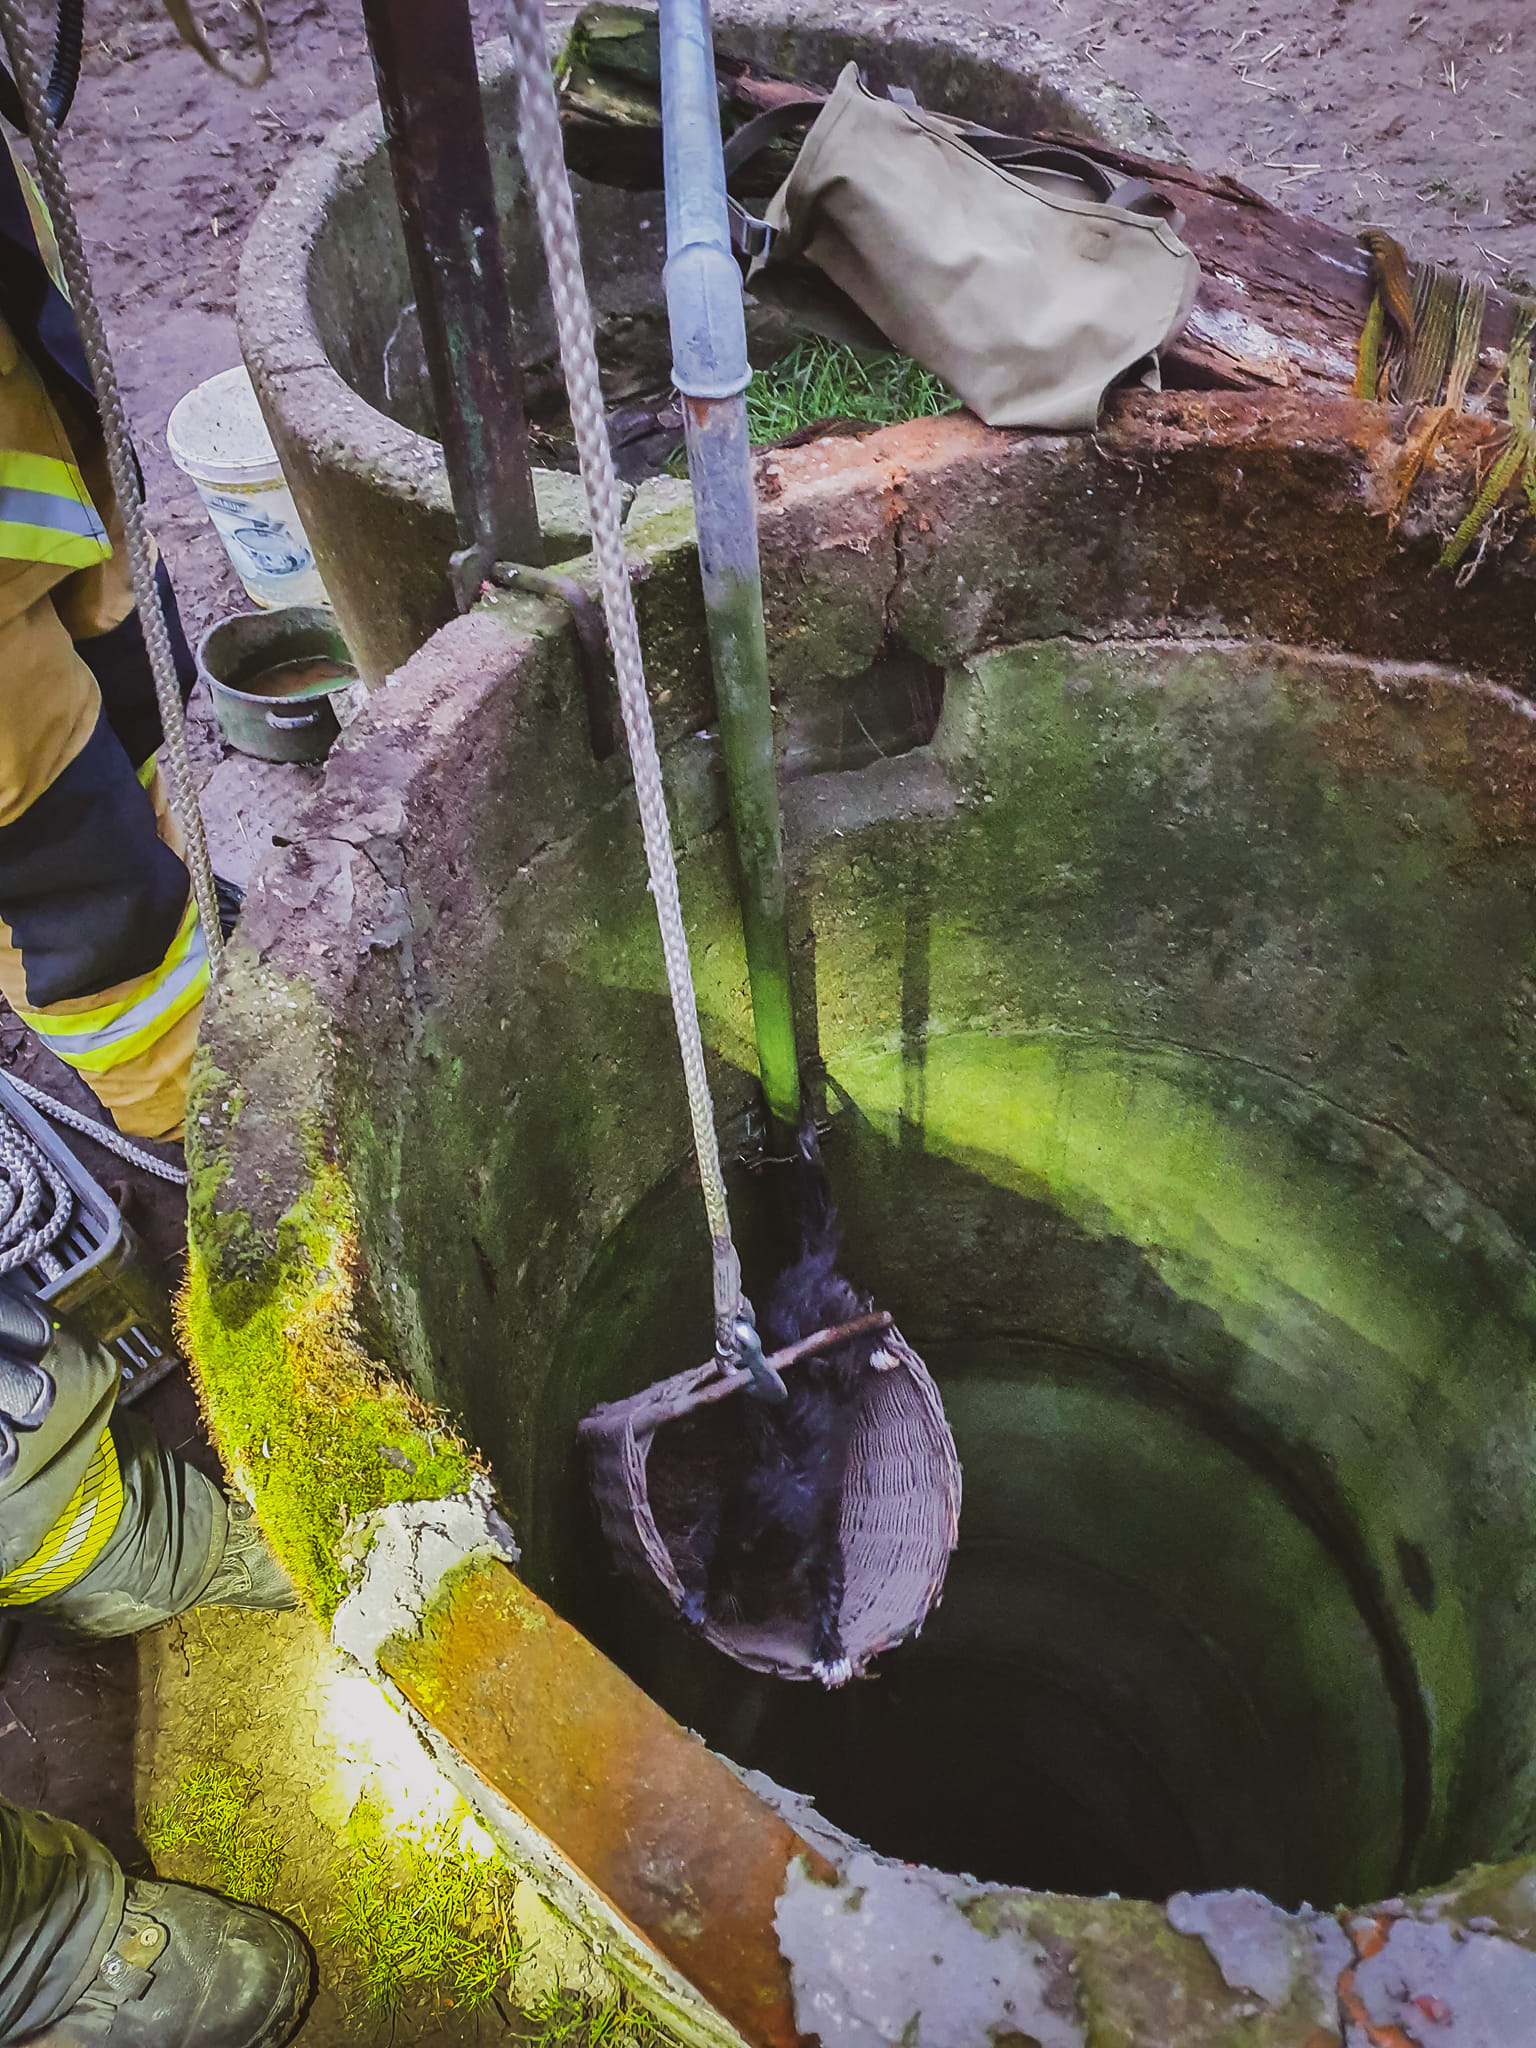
x=778 y=1548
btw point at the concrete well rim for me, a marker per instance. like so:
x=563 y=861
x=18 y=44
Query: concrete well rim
x=360 y=787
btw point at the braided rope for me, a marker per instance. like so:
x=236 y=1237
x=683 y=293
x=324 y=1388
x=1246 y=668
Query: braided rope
x=120 y=462
x=543 y=157
x=103 y=1134
x=29 y=1221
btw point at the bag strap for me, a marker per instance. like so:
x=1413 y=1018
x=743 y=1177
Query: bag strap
x=764 y=128
x=752 y=237
x=1011 y=153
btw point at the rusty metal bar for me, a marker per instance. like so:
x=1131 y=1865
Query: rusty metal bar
x=429 y=88
x=662 y=1827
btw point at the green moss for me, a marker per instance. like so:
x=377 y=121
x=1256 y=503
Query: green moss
x=307 y=1420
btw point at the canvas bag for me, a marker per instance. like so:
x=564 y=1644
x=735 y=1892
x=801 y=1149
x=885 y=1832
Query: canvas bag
x=1029 y=284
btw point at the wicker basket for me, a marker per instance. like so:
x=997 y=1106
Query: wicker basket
x=900 y=1514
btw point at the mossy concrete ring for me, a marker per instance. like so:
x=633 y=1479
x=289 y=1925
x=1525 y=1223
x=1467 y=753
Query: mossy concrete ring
x=1173 y=998
x=327 y=322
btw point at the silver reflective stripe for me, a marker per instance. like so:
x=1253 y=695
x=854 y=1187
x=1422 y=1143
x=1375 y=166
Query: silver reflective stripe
x=47 y=509
x=98 y=1047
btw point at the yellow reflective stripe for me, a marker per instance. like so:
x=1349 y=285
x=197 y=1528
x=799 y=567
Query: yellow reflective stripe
x=95 y=1041
x=24 y=470
x=188 y=935
x=46 y=513
x=146 y=769
x=77 y=1538
x=25 y=543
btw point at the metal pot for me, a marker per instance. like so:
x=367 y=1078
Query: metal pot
x=276 y=726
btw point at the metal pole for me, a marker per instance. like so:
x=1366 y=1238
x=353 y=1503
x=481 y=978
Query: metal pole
x=429 y=88
x=711 y=372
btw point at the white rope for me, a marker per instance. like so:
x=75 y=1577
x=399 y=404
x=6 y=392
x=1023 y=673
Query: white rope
x=35 y=1203
x=120 y=463
x=544 y=161
x=104 y=1135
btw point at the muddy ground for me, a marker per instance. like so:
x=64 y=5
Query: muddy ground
x=1418 y=118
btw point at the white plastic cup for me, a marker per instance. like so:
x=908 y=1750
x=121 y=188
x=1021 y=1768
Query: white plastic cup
x=216 y=434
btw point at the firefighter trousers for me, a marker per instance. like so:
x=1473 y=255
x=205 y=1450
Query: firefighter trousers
x=101 y=952
x=106 y=1529
x=61 y=1905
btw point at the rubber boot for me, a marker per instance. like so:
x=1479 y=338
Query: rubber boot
x=249 y=1575
x=190 y=1969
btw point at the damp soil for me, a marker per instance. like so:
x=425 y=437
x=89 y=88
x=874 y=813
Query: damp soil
x=104 y=1733
x=1355 y=110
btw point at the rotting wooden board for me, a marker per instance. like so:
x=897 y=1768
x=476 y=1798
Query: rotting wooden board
x=1282 y=296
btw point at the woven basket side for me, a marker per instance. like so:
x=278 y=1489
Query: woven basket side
x=617 y=1459
x=901 y=1507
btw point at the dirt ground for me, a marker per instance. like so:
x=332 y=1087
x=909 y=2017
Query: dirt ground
x=1421 y=119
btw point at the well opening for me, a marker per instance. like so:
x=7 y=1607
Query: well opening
x=351 y=410
x=1163 y=1660
x=1166 y=1028
x=361 y=298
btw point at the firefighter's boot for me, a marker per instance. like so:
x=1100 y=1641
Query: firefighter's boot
x=249 y=1574
x=190 y=1969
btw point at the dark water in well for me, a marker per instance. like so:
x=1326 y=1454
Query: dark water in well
x=1173 y=1651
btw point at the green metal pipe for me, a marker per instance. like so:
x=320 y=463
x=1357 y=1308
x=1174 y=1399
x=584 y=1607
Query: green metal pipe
x=719 y=462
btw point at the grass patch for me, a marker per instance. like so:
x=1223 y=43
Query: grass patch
x=415 y=1922
x=418 y=1925
x=822 y=380
x=565 y=2019
x=828 y=380
x=207 y=1830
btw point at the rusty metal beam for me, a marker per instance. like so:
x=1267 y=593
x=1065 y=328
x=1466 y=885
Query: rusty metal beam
x=664 y=1829
x=429 y=89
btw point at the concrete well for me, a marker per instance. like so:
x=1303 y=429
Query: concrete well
x=1161 y=831
x=327 y=322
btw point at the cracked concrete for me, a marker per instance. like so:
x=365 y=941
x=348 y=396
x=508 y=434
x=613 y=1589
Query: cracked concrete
x=1433 y=1983
x=1259 y=1947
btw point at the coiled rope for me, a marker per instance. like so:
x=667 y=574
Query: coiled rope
x=121 y=465
x=104 y=1135
x=37 y=1203
x=543 y=157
